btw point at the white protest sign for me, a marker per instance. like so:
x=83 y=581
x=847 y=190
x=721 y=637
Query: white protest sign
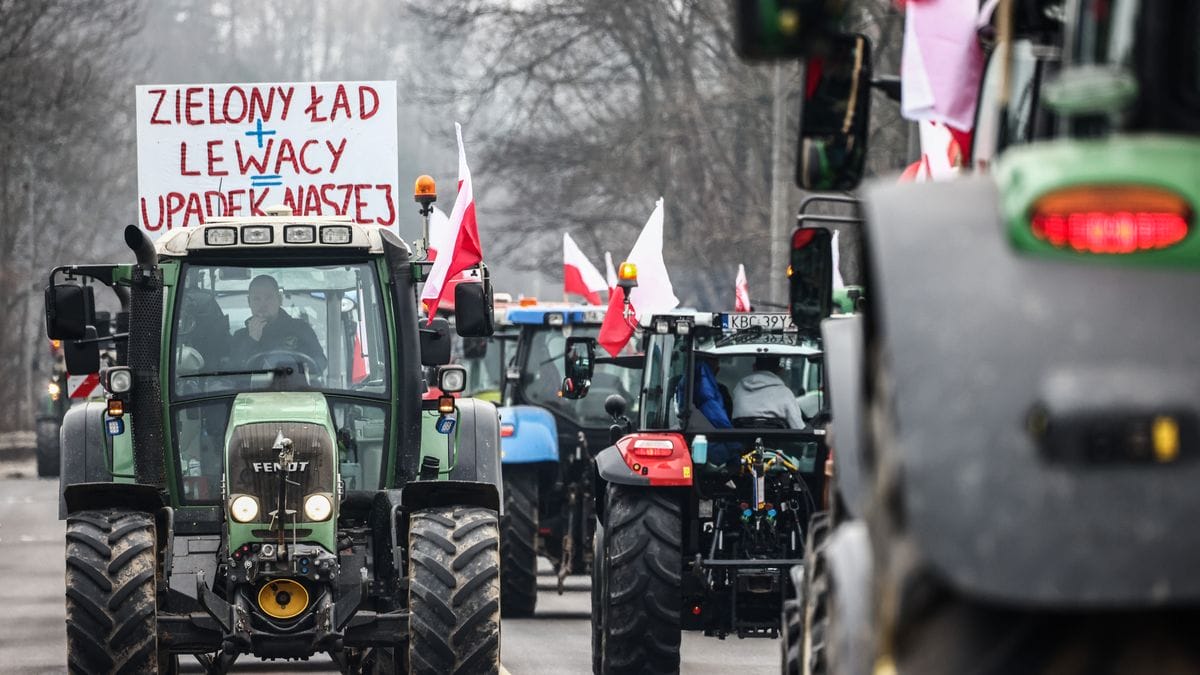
x=222 y=150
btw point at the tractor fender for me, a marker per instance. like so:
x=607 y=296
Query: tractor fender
x=848 y=560
x=532 y=435
x=91 y=496
x=621 y=464
x=477 y=458
x=85 y=448
x=842 y=338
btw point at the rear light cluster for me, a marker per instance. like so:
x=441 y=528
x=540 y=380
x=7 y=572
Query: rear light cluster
x=648 y=447
x=1111 y=220
x=507 y=430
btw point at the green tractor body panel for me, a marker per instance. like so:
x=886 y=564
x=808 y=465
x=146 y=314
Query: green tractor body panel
x=305 y=411
x=437 y=445
x=1172 y=163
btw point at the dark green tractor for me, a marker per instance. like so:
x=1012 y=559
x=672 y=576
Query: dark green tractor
x=1016 y=415
x=265 y=478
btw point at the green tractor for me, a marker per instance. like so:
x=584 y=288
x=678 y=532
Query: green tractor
x=280 y=489
x=1015 y=478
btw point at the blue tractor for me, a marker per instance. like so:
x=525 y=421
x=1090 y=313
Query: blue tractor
x=548 y=442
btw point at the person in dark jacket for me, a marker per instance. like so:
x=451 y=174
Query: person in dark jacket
x=271 y=329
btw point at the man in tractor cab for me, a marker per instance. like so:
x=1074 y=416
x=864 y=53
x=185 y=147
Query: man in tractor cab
x=763 y=396
x=271 y=329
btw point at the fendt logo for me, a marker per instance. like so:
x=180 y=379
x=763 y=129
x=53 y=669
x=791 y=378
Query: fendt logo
x=275 y=467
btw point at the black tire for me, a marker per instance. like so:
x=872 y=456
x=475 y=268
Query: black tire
x=599 y=591
x=791 y=632
x=454 y=591
x=518 y=542
x=48 y=453
x=815 y=608
x=112 y=620
x=642 y=598
x=386 y=661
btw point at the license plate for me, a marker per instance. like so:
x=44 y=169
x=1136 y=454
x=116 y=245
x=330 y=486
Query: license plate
x=773 y=321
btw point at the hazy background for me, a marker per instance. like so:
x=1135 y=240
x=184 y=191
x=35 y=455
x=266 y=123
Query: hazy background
x=577 y=114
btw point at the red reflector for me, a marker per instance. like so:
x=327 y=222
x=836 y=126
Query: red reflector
x=652 y=448
x=507 y=430
x=695 y=610
x=802 y=237
x=1108 y=233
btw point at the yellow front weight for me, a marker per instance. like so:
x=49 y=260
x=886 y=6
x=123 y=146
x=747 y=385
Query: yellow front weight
x=282 y=598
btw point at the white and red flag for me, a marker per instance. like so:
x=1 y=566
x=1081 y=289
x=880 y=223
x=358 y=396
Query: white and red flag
x=580 y=276
x=610 y=274
x=741 y=291
x=653 y=293
x=465 y=250
x=941 y=63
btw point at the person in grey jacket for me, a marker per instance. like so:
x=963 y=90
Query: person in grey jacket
x=763 y=393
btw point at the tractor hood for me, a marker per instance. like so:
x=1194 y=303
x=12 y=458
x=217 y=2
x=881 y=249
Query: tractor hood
x=257 y=424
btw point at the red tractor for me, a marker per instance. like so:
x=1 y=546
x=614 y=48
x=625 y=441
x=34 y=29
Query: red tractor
x=703 y=509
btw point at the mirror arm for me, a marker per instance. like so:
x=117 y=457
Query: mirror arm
x=106 y=338
x=889 y=85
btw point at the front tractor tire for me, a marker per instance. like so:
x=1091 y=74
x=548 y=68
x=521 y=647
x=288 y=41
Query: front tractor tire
x=518 y=542
x=454 y=591
x=639 y=613
x=112 y=623
x=47 y=448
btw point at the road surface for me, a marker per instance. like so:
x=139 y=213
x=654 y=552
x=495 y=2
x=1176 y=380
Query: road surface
x=33 y=636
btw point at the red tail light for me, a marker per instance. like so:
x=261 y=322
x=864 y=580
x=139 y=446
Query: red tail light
x=1111 y=219
x=652 y=447
x=507 y=430
x=802 y=237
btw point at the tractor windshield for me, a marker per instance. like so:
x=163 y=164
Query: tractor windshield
x=542 y=377
x=279 y=328
x=741 y=380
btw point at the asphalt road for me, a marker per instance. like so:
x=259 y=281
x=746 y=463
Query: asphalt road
x=33 y=635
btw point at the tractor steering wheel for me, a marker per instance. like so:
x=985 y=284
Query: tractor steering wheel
x=264 y=359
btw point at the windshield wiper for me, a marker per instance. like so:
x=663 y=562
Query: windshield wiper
x=282 y=370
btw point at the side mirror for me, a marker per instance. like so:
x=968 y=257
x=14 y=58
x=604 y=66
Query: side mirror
x=435 y=343
x=834 y=124
x=580 y=359
x=473 y=316
x=782 y=29
x=67 y=311
x=810 y=282
x=82 y=357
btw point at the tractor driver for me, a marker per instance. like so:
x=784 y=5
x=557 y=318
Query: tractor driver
x=763 y=394
x=271 y=329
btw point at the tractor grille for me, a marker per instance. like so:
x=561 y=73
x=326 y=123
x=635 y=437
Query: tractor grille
x=254 y=464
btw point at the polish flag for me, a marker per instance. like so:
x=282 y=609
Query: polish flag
x=741 y=291
x=941 y=62
x=610 y=274
x=580 y=276
x=439 y=234
x=466 y=250
x=652 y=295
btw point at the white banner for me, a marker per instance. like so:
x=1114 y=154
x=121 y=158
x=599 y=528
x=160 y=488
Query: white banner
x=211 y=150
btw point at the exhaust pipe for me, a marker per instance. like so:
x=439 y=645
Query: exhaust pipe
x=141 y=245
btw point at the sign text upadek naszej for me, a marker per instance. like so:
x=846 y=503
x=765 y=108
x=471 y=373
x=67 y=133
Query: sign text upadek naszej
x=230 y=150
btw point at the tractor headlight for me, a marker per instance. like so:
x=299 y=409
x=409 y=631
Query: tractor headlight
x=243 y=508
x=317 y=507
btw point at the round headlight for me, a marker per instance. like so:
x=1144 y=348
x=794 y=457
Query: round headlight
x=243 y=508
x=317 y=507
x=120 y=381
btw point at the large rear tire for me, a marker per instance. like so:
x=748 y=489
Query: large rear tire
x=640 y=615
x=599 y=591
x=112 y=621
x=48 y=453
x=454 y=591
x=815 y=607
x=518 y=542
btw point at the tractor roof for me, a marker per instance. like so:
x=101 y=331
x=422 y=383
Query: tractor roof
x=556 y=314
x=272 y=232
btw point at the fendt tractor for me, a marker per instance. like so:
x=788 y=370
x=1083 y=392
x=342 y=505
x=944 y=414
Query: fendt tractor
x=703 y=501
x=549 y=438
x=1021 y=470
x=265 y=478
